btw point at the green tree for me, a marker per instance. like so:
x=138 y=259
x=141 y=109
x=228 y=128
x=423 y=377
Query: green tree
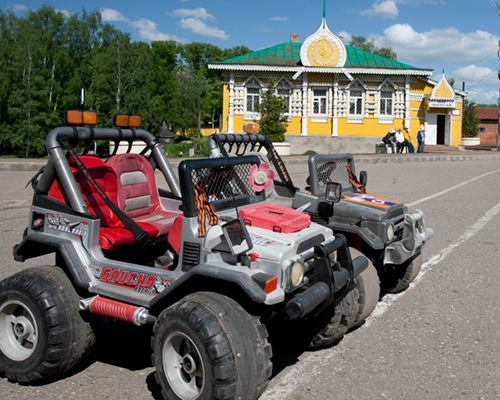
x=362 y=43
x=273 y=120
x=187 y=101
x=165 y=65
x=470 y=121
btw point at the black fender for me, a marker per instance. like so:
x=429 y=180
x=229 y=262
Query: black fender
x=35 y=245
x=242 y=280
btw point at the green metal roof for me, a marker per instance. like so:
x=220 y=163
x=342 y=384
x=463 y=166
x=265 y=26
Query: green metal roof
x=357 y=58
x=288 y=54
x=282 y=54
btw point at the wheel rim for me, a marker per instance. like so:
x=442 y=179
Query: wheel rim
x=18 y=330
x=183 y=366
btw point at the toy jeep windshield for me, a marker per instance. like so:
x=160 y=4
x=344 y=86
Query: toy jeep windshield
x=385 y=231
x=205 y=259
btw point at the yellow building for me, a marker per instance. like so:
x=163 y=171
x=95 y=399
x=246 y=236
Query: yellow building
x=338 y=90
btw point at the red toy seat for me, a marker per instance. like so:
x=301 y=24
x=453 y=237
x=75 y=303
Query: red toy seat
x=137 y=193
x=113 y=234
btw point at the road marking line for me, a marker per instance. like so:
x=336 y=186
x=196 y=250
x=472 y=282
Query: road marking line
x=314 y=362
x=432 y=196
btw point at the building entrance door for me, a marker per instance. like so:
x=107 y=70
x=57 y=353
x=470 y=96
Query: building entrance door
x=441 y=129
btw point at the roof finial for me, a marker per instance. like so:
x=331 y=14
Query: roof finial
x=324 y=13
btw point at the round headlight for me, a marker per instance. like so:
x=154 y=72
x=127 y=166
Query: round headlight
x=297 y=273
x=390 y=232
x=333 y=257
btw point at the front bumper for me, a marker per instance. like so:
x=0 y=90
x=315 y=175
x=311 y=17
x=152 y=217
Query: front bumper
x=414 y=237
x=328 y=279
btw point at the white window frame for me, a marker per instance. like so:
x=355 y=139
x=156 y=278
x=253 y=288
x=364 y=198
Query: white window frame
x=319 y=97
x=358 y=101
x=252 y=114
x=286 y=93
x=383 y=107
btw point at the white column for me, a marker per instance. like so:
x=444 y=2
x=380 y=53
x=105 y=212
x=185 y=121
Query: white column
x=335 y=119
x=230 y=117
x=407 y=102
x=305 y=100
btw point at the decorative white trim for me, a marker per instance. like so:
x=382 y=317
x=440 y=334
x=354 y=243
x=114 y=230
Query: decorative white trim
x=323 y=33
x=385 y=120
x=251 y=116
x=416 y=97
x=324 y=70
x=317 y=118
x=354 y=119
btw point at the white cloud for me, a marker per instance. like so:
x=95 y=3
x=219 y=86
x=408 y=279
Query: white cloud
x=277 y=18
x=200 y=28
x=475 y=76
x=19 y=7
x=418 y=2
x=438 y=45
x=483 y=96
x=265 y=29
x=194 y=20
x=148 y=31
x=384 y=9
x=66 y=13
x=198 y=13
x=109 y=15
x=347 y=36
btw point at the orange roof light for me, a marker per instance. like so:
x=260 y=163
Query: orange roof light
x=89 y=118
x=250 y=127
x=80 y=117
x=127 y=120
x=121 y=120
x=135 y=121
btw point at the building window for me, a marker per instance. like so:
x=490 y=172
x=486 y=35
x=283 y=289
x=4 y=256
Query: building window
x=356 y=102
x=386 y=103
x=253 y=98
x=319 y=102
x=285 y=93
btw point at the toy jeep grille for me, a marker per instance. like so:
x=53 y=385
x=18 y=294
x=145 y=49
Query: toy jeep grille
x=329 y=168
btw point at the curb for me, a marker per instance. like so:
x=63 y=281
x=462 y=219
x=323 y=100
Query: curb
x=472 y=155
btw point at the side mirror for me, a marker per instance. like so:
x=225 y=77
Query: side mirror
x=363 y=178
x=333 y=192
x=237 y=236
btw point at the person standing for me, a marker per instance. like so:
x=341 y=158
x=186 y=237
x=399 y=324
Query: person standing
x=400 y=140
x=421 y=139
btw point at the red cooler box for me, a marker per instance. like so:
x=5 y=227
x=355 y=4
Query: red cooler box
x=275 y=218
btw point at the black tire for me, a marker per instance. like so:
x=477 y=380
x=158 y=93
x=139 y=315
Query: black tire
x=207 y=347
x=395 y=279
x=42 y=332
x=332 y=323
x=368 y=286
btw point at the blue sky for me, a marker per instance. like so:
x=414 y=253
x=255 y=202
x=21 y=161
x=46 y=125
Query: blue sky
x=459 y=36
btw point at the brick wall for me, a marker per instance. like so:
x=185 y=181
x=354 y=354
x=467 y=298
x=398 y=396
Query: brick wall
x=490 y=134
